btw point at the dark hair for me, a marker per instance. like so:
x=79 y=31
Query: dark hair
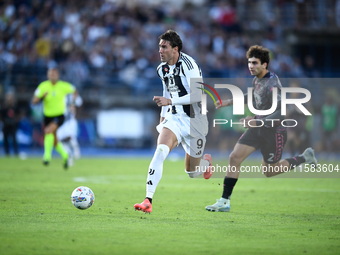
x=173 y=38
x=259 y=52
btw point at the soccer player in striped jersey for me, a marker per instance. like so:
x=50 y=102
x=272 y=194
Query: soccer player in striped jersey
x=270 y=137
x=181 y=121
x=67 y=133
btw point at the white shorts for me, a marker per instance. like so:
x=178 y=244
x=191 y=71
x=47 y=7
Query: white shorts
x=190 y=132
x=68 y=129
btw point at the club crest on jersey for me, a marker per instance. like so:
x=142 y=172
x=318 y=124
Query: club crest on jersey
x=176 y=71
x=166 y=69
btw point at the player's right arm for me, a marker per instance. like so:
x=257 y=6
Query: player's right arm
x=39 y=94
x=225 y=103
x=229 y=102
x=166 y=95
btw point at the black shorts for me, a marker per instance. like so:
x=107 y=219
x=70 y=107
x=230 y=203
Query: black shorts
x=270 y=141
x=59 y=120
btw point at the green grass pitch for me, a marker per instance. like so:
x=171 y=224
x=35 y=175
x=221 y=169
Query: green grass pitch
x=268 y=215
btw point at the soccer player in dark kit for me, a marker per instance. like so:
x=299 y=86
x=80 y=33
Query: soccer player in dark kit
x=269 y=136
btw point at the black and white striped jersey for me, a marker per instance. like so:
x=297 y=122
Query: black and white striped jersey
x=69 y=114
x=185 y=96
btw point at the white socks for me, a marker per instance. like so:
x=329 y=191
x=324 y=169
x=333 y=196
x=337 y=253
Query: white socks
x=201 y=169
x=75 y=146
x=67 y=147
x=156 y=169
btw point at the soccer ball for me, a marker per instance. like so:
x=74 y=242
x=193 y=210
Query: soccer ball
x=82 y=197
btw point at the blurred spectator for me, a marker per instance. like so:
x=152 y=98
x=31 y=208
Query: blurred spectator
x=329 y=124
x=337 y=13
x=6 y=57
x=310 y=69
x=76 y=71
x=10 y=117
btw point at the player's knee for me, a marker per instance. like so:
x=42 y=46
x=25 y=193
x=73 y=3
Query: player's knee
x=268 y=170
x=47 y=130
x=162 y=151
x=51 y=128
x=234 y=158
x=267 y=174
x=67 y=139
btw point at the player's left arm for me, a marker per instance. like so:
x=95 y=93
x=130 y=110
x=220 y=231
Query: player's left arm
x=276 y=115
x=193 y=77
x=71 y=89
x=163 y=101
x=195 y=92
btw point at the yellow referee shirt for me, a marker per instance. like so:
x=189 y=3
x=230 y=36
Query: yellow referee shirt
x=54 y=102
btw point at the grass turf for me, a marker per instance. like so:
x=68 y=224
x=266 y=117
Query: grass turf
x=268 y=216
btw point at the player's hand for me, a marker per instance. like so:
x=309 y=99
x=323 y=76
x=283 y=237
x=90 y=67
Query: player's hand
x=224 y=103
x=246 y=122
x=218 y=104
x=36 y=100
x=162 y=101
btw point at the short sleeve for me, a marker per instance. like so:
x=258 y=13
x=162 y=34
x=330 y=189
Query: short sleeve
x=273 y=83
x=39 y=92
x=69 y=88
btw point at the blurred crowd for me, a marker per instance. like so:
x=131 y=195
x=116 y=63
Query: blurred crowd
x=108 y=42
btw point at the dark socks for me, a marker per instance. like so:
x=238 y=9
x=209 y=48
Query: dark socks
x=228 y=187
x=295 y=161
